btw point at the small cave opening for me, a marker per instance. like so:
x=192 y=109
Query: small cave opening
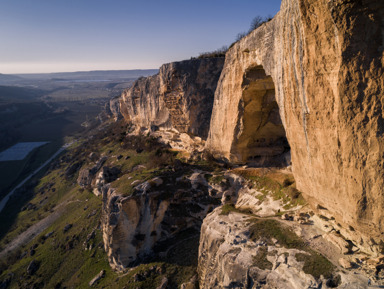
x=261 y=140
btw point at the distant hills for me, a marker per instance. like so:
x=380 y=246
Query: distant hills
x=8 y=78
x=14 y=93
x=78 y=76
x=96 y=75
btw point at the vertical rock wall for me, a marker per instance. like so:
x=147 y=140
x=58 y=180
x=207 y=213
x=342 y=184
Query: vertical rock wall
x=180 y=96
x=326 y=62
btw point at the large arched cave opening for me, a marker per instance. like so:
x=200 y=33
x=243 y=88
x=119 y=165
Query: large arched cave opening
x=261 y=139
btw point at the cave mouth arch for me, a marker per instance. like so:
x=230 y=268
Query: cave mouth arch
x=261 y=140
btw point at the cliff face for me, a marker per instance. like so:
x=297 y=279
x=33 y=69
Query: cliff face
x=148 y=223
x=180 y=96
x=323 y=63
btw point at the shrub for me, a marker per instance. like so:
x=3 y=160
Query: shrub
x=261 y=261
x=256 y=23
x=214 y=54
x=315 y=264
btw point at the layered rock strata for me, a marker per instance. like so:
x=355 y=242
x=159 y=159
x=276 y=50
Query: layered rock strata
x=323 y=62
x=179 y=97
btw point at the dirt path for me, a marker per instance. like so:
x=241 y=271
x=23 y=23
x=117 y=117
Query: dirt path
x=35 y=229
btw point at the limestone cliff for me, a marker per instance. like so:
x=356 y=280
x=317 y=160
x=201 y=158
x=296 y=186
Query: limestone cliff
x=113 y=107
x=180 y=96
x=323 y=63
x=146 y=224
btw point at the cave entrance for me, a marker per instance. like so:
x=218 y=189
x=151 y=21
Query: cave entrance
x=262 y=139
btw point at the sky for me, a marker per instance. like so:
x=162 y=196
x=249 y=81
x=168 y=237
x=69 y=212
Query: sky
x=71 y=35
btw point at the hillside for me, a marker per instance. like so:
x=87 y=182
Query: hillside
x=96 y=75
x=263 y=169
x=4 y=78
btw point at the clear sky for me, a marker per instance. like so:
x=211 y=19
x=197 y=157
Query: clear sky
x=72 y=35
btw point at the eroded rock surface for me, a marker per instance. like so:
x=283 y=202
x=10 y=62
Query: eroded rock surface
x=139 y=226
x=179 y=97
x=113 y=108
x=323 y=62
x=231 y=257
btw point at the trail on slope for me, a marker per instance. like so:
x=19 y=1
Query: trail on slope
x=35 y=229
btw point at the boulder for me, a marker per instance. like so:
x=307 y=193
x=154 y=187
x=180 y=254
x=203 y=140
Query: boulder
x=97 y=278
x=33 y=267
x=345 y=263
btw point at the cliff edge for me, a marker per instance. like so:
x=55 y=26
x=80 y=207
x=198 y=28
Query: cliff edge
x=179 y=97
x=322 y=63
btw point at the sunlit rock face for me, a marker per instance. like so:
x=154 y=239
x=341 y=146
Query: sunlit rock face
x=179 y=97
x=323 y=62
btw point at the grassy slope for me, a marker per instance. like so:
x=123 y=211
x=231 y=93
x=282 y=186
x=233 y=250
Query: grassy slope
x=62 y=257
x=64 y=262
x=53 y=128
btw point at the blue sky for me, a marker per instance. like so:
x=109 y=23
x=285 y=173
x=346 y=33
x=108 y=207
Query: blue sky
x=72 y=35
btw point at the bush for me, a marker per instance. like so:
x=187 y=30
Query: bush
x=214 y=54
x=315 y=264
x=256 y=23
x=240 y=36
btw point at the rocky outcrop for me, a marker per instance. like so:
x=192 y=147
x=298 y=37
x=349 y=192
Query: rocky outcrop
x=97 y=278
x=232 y=255
x=105 y=176
x=113 y=108
x=87 y=175
x=179 y=97
x=97 y=177
x=320 y=65
x=142 y=225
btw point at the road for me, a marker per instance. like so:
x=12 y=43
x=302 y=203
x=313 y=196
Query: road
x=4 y=201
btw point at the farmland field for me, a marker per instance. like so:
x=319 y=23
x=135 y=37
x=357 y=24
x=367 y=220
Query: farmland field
x=54 y=109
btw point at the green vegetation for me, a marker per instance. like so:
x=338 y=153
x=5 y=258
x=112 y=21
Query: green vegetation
x=13 y=172
x=37 y=121
x=64 y=260
x=214 y=179
x=261 y=261
x=227 y=208
x=268 y=228
x=65 y=257
x=315 y=264
x=279 y=186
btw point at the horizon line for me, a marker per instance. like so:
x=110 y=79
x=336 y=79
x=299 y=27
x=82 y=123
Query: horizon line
x=93 y=70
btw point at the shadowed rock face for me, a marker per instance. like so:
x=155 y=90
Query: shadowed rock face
x=324 y=60
x=180 y=96
x=260 y=137
x=143 y=226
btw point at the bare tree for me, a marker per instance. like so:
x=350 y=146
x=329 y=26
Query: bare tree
x=256 y=22
x=240 y=36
